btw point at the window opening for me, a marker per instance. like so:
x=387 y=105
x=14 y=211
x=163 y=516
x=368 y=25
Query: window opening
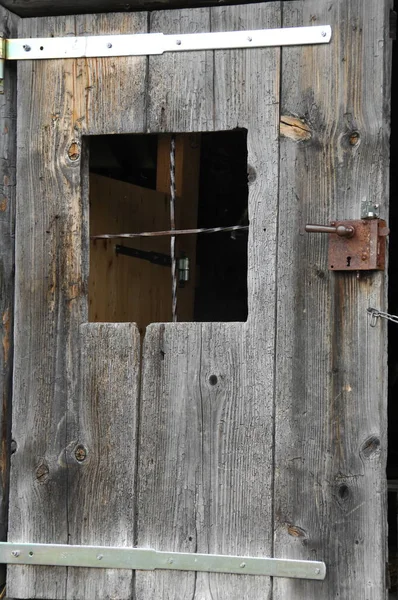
x=133 y=180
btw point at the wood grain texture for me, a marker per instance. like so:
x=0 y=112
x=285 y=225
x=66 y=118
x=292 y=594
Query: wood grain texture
x=206 y=419
x=59 y=101
x=37 y=8
x=187 y=104
x=102 y=455
x=331 y=413
x=9 y=27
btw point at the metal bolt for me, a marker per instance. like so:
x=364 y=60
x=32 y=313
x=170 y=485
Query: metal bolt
x=109 y=45
x=364 y=256
x=178 y=42
x=317 y=571
x=100 y=556
x=15 y=553
x=323 y=34
x=170 y=561
x=26 y=47
x=242 y=565
x=249 y=38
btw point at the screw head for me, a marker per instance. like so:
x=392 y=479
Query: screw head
x=109 y=45
x=242 y=565
x=323 y=34
x=317 y=571
x=100 y=556
x=178 y=42
x=15 y=553
x=26 y=47
x=249 y=38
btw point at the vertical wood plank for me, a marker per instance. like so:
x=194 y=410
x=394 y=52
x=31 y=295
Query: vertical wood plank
x=9 y=27
x=102 y=482
x=206 y=428
x=182 y=101
x=58 y=102
x=330 y=479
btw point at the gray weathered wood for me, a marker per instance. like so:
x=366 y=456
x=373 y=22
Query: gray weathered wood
x=58 y=102
x=182 y=100
x=330 y=467
x=9 y=26
x=205 y=468
x=37 y=8
x=101 y=487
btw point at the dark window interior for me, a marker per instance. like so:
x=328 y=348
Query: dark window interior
x=129 y=193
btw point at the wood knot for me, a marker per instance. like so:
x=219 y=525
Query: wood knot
x=370 y=447
x=80 y=453
x=74 y=152
x=294 y=129
x=354 y=138
x=295 y=531
x=42 y=472
x=343 y=492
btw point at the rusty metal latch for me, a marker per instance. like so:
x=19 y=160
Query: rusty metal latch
x=355 y=245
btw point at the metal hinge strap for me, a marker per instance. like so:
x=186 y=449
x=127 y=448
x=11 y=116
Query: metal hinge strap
x=147 y=559
x=145 y=44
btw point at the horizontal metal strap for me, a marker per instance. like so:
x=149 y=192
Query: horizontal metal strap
x=146 y=559
x=158 y=43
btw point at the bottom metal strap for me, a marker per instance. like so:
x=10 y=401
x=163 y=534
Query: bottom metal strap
x=146 y=559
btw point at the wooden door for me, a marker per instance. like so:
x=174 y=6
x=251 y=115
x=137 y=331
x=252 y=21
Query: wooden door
x=260 y=438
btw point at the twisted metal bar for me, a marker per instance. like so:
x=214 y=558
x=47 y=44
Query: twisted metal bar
x=172 y=227
x=174 y=232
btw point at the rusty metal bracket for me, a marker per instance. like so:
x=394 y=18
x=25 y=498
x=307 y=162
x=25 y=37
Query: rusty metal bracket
x=355 y=245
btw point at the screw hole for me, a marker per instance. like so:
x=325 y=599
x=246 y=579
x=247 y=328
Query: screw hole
x=41 y=47
x=31 y=553
x=348 y=261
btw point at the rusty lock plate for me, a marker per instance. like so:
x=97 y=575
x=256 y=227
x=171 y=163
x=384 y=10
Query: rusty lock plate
x=355 y=245
x=365 y=250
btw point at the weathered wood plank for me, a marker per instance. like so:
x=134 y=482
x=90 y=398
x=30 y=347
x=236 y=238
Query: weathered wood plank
x=9 y=27
x=206 y=429
x=187 y=104
x=37 y=8
x=330 y=479
x=58 y=102
x=102 y=485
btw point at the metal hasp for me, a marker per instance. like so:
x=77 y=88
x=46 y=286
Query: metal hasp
x=146 y=44
x=355 y=245
x=149 y=560
x=157 y=258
